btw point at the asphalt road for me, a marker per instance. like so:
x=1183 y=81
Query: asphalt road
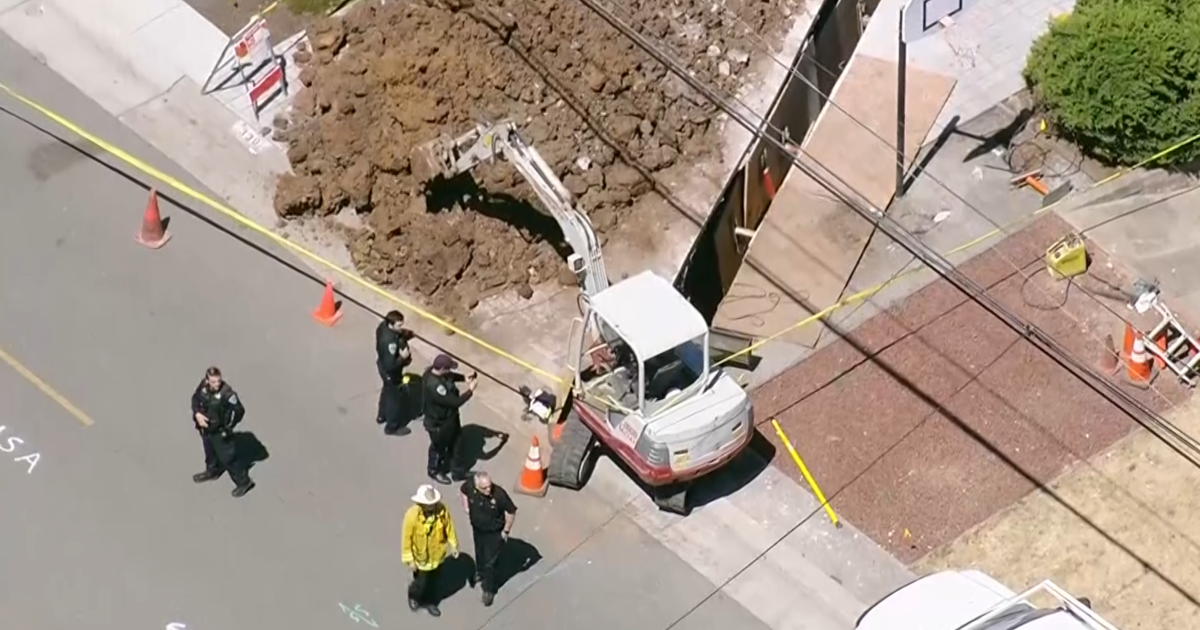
x=104 y=341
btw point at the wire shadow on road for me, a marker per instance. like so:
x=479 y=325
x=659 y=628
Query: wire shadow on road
x=178 y=204
x=872 y=357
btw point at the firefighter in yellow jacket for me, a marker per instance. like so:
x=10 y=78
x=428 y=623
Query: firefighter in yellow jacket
x=428 y=539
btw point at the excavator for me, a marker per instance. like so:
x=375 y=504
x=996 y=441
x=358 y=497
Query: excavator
x=644 y=388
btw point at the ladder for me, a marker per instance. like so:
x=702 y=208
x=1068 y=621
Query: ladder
x=1174 y=346
x=1066 y=602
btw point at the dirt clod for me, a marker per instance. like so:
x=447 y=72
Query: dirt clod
x=604 y=115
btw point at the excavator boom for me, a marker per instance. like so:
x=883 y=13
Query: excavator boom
x=448 y=157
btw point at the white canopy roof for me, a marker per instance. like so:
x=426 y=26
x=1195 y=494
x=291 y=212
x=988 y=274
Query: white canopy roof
x=649 y=314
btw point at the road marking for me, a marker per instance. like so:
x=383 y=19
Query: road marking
x=358 y=614
x=45 y=388
x=9 y=445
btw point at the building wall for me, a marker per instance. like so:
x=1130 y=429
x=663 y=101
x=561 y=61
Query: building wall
x=717 y=255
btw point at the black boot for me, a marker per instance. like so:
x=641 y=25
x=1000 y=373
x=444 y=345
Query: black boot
x=241 y=491
x=207 y=475
x=433 y=610
x=413 y=604
x=441 y=478
x=396 y=430
x=488 y=598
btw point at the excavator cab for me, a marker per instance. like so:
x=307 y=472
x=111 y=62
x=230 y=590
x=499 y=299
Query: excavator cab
x=646 y=391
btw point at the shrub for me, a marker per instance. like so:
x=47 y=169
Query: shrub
x=1121 y=78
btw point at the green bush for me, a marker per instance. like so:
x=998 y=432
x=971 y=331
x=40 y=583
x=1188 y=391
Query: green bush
x=1121 y=78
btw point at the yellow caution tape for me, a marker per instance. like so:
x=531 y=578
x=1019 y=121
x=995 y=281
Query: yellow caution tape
x=1153 y=158
x=184 y=189
x=868 y=293
x=812 y=483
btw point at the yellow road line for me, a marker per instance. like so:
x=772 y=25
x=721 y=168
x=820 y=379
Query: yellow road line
x=812 y=483
x=45 y=388
x=184 y=189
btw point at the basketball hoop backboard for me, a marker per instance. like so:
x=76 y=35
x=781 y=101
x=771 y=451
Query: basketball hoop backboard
x=923 y=17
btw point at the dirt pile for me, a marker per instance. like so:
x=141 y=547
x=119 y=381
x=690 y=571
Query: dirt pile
x=389 y=77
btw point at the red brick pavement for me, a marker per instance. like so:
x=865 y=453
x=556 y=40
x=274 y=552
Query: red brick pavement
x=942 y=415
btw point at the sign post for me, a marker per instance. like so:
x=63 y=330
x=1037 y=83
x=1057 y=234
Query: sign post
x=258 y=65
x=918 y=18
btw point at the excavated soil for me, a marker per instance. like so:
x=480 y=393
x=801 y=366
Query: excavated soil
x=391 y=76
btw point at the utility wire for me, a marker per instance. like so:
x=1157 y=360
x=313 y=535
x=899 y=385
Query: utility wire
x=1183 y=444
x=1179 y=442
x=927 y=175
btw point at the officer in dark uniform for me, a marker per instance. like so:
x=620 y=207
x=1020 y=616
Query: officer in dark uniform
x=391 y=357
x=491 y=512
x=442 y=401
x=216 y=410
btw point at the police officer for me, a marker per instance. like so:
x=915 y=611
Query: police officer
x=216 y=410
x=491 y=513
x=391 y=357
x=442 y=421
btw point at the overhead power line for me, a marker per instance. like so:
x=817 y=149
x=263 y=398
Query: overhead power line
x=1179 y=441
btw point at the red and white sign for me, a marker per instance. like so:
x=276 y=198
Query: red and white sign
x=260 y=68
x=254 y=47
x=266 y=85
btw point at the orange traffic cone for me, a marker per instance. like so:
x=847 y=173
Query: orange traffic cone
x=1109 y=360
x=533 y=480
x=1140 y=367
x=154 y=232
x=1161 y=342
x=327 y=312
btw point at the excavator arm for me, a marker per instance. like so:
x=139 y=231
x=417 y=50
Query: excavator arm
x=448 y=157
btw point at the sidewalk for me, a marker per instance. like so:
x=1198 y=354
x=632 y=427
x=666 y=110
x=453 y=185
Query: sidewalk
x=144 y=61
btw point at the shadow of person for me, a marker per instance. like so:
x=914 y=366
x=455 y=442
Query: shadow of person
x=248 y=448
x=516 y=557
x=474 y=446
x=414 y=402
x=455 y=574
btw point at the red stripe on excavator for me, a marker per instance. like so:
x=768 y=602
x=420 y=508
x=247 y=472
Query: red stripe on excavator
x=649 y=474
